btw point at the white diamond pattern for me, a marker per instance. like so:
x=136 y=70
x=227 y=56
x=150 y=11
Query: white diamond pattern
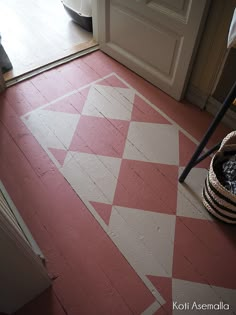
x=145 y=238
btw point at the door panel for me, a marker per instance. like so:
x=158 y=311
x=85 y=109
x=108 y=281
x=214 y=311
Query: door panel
x=154 y=38
x=153 y=53
x=177 y=8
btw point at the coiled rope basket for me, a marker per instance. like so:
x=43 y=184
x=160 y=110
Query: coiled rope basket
x=216 y=198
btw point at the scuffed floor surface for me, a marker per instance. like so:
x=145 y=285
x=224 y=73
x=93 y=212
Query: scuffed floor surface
x=91 y=154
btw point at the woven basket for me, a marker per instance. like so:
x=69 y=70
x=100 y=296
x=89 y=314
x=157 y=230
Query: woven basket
x=216 y=198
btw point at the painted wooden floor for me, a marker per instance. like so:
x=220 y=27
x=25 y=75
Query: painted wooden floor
x=37 y=32
x=90 y=154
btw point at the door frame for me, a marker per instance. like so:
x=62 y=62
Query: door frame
x=95 y=19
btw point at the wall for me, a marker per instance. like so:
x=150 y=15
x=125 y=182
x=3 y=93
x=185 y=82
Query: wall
x=212 y=52
x=227 y=77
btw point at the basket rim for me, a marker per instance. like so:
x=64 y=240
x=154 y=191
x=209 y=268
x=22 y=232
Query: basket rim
x=221 y=189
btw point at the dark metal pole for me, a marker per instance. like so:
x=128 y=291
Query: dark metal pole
x=227 y=102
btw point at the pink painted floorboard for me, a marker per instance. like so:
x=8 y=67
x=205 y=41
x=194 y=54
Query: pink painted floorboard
x=75 y=234
x=199 y=245
x=91 y=275
x=139 y=182
x=100 y=136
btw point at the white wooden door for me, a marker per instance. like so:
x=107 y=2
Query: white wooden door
x=155 y=38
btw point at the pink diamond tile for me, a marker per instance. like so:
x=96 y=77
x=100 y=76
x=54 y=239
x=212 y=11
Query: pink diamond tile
x=143 y=112
x=104 y=210
x=113 y=81
x=186 y=150
x=205 y=252
x=100 y=136
x=144 y=185
x=85 y=91
x=63 y=105
x=59 y=155
x=71 y=104
x=164 y=287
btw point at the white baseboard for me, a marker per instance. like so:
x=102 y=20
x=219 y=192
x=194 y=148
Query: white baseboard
x=198 y=98
x=229 y=119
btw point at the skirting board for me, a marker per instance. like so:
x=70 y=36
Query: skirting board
x=229 y=119
x=200 y=99
x=196 y=96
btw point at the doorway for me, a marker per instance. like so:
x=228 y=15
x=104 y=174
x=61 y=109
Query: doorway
x=37 y=32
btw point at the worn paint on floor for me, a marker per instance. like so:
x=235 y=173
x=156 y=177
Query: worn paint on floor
x=94 y=131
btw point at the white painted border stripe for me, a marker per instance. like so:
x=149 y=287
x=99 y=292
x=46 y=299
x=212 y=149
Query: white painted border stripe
x=187 y=134
x=67 y=94
x=152 y=308
x=159 y=111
